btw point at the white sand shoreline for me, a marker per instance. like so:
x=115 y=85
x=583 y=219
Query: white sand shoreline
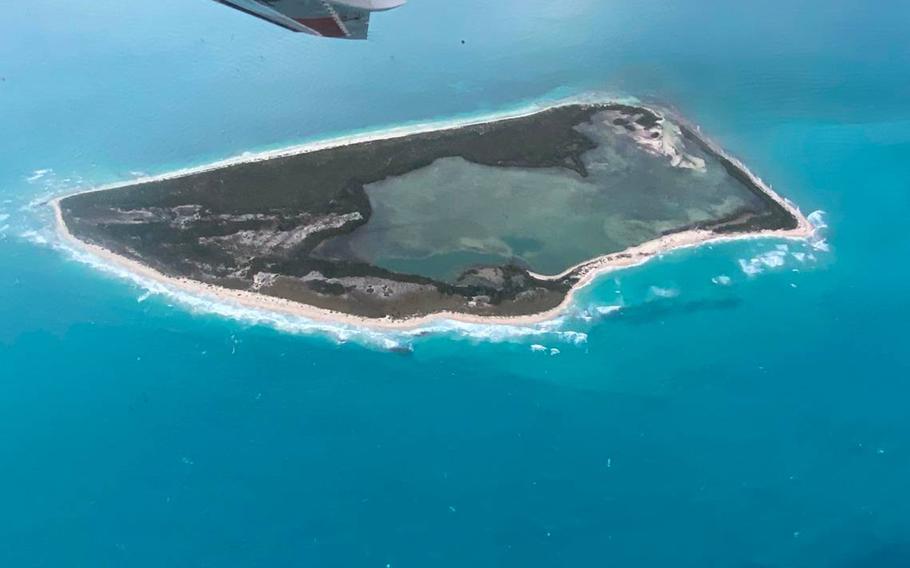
x=371 y=135
x=588 y=270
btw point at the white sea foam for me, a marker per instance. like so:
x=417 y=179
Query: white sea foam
x=554 y=329
x=210 y=305
x=817 y=241
x=538 y=347
x=663 y=292
x=607 y=310
x=51 y=186
x=554 y=351
x=393 y=340
x=722 y=280
x=819 y=244
x=575 y=337
x=756 y=265
x=34 y=237
x=38 y=203
x=594 y=313
x=38 y=174
x=817 y=219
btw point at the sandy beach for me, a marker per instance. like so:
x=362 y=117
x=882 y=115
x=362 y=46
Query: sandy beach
x=588 y=270
x=380 y=133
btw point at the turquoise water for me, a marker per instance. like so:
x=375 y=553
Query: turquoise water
x=749 y=424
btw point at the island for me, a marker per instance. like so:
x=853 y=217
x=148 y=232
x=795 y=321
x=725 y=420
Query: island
x=494 y=220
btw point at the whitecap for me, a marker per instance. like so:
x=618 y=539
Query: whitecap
x=38 y=174
x=663 y=292
x=817 y=219
x=497 y=332
x=756 y=265
x=722 y=280
x=554 y=351
x=576 y=337
x=819 y=244
x=34 y=237
x=817 y=240
x=607 y=310
x=537 y=347
x=39 y=202
x=391 y=340
x=210 y=305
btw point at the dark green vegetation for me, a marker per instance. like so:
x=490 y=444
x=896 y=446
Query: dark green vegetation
x=771 y=217
x=255 y=226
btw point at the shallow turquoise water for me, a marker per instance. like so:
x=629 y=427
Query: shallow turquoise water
x=755 y=424
x=443 y=219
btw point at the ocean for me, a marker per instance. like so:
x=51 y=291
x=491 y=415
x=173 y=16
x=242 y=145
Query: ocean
x=737 y=405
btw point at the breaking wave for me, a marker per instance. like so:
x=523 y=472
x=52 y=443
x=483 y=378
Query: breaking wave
x=819 y=224
x=34 y=237
x=554 y=331
x=37 y=175
x=779 y=256
x=817 y=218
x=758 y=264
x=538 y=348
x=663 y=292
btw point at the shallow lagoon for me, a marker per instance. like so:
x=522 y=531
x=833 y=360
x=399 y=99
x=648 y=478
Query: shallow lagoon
x=442 y=219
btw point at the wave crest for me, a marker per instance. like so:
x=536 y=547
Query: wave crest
x=555 y=330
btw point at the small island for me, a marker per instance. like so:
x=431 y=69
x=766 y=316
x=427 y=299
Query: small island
x=492 y=220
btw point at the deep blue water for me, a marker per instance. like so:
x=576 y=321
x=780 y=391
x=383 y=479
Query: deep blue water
x=764 y=423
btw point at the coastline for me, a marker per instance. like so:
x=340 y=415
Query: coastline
x=587 y=271
x=369 y=135
x=590 y=270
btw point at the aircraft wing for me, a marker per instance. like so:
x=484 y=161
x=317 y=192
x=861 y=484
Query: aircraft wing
x=347 y=19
